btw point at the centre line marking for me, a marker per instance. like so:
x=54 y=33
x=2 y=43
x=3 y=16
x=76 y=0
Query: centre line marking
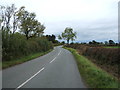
x=59 y=53
x=30 y=78
x=35 y=74
x=52 y=60
x=55 y=57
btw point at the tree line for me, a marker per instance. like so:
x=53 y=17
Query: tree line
x=22 y=33
x=22 y=20
x=109 y=43
x=70 y=35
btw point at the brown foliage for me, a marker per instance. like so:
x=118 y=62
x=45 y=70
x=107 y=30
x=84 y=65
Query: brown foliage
x=106 y=58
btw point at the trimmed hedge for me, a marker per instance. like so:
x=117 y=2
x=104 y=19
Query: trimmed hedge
x=107 y=58
x=93 y=76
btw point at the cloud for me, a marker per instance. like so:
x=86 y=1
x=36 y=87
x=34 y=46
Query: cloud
x=91 y=19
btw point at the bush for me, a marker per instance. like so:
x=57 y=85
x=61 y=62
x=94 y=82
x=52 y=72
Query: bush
x=16 y=45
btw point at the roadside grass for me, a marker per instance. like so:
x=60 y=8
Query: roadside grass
x=93 y=76
x=7 y=64
x=112 y=47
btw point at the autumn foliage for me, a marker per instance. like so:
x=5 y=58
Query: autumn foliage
x=107 y=58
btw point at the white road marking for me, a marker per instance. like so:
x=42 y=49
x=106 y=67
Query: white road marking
x=52 y=60
x=59 y=53
x=35 y=74
x=30 y=78
x=55 y=57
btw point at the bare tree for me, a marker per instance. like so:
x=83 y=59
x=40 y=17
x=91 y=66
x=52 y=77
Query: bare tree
x=15 y=20
x=8 y=14
x=2 y=17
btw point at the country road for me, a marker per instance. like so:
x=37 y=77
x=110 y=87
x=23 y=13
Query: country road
x=56 y=69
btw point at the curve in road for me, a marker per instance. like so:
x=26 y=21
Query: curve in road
x=56 y=69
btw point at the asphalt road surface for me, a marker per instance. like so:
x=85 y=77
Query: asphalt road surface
x=56 y=69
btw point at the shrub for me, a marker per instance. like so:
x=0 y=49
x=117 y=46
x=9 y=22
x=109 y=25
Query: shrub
x=15 y=45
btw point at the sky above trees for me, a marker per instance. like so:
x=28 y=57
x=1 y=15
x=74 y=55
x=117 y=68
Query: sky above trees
x=91 y=19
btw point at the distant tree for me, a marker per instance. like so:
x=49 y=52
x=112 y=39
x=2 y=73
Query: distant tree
x=71 y=43
x=94 y=42
x=116 y=44
x=51 y=38
x=63 y=42
x=101 y=43
x=83 y=43
x=68 y=35
x=111 y=42
x=56 y=41
x=90 y=42
x=106 y=42
x=59 y=37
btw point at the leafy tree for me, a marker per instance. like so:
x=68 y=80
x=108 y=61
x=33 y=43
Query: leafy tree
x=51 y=38
x=106 y=42
x=90 y=42
x=111 y=42
x=59 y=37
x=68 y=35
x=94 y=42
x=14 y=44
x=28 y=24
x=40 y=30
x=63 y=42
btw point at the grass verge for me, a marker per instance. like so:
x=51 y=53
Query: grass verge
x=7 y=64
x=93 y=76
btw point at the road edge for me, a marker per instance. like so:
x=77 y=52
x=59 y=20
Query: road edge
x=8 y=64
x=102 y=79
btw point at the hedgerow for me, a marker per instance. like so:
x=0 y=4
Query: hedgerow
x=107 y=58
x=16 y=45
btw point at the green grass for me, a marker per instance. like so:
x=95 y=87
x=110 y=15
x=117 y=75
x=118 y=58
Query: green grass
x=112 y=47
x=7 y=64
x=93 y=76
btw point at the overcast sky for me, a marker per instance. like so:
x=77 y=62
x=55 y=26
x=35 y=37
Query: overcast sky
x=91 y=19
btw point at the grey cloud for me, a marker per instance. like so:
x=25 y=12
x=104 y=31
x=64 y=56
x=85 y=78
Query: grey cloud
x=100 y=30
